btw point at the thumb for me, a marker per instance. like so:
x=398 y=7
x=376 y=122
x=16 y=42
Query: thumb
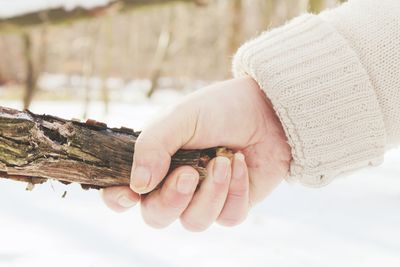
x=157 y=143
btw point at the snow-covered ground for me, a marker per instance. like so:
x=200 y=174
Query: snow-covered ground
x=355 y=221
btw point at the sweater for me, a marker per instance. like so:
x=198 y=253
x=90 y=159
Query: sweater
x=334 y=82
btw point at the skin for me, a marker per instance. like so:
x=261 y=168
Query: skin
x=233 y=113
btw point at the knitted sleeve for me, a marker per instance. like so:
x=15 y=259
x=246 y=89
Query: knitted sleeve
x=334 y=82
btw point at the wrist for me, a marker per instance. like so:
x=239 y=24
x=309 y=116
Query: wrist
x=274 y=131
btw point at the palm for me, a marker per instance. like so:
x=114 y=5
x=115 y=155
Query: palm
x=235 y=114
x=247 y=124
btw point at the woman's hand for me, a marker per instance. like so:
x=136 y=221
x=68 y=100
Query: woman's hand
x=235 y=114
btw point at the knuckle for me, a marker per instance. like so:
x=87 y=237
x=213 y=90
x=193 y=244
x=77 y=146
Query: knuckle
x=173 y=199
x=221 y=184
x=217 y=189
x=148 y=155
x=142 y=142
x=238 y=192
x=148 y=142
x=186 y=113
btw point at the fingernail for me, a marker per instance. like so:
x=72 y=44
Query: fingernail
x=125 y=202
x=221 y=169
x=186 y=183
x=238 y=166
x=239 y=156
x=140 y=178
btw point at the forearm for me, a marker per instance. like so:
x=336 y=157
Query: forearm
x=333 y=81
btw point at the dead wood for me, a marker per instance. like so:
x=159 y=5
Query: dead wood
x=35 y=148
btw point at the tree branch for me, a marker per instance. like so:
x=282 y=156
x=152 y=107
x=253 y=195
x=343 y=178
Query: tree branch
x=35 y=148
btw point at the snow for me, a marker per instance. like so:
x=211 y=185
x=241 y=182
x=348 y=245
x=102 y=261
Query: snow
x=352 y=222
x=17 y=7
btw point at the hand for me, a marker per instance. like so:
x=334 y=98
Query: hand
x=235 y=114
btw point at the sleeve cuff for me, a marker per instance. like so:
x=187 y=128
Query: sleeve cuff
x=322 y=96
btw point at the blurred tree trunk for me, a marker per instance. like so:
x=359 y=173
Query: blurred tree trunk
x=235 y=39
x=267 y=9
x=30 y=78
x=2 y=79
x=92 y=33
x=161 y=53
x=131 y=48
x=316 y=6
x=107 y=63
x=3 y=75
x=33 y=68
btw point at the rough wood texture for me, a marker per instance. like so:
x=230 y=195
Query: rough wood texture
x=35 y=148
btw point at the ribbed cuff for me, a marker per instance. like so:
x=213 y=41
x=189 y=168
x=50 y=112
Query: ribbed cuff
x=322 y=95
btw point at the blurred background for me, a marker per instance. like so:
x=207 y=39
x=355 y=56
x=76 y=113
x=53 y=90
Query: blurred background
x=121 y=62
x=120 y=51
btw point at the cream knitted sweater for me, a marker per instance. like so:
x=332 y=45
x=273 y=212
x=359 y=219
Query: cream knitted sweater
x=334 y=82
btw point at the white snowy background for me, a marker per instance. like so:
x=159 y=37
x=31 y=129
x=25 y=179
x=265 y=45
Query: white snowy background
x=352 y=222
x=355 y=221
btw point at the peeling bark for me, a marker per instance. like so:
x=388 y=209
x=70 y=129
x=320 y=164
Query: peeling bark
x=35 y=148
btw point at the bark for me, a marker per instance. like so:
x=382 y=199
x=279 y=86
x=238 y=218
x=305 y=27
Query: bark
x=35 y=148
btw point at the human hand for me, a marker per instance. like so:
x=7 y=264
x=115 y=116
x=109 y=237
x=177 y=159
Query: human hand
x=235 y=114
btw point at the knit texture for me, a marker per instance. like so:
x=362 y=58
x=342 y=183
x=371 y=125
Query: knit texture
x=334 y=82
x=372 y=29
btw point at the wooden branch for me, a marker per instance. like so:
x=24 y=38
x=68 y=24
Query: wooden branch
x=35 y=148
x=56 y=16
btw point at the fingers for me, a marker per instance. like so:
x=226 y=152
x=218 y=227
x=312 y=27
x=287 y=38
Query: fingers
x=223 y=196
x=119 y=198
x=237 y=202
x=157 y=143
x=209 y=200
x=150 y=164
x=163 y=206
